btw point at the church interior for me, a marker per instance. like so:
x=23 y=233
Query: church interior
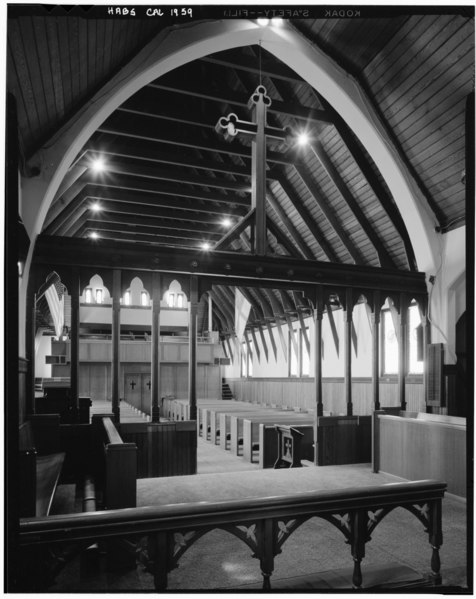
x=238 y=355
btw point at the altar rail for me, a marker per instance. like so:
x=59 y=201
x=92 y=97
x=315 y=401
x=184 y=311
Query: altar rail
x=163 y=534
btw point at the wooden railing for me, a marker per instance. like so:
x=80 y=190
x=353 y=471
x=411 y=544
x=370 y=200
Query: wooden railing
x=165 y=533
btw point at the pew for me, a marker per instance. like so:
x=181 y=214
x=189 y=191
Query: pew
x=163 y=449
x=116 y=467
x=212 y=416
x=40 y=463
x=263 y=516
x=343 y=440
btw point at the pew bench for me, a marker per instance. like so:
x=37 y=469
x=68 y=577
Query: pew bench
x=40 y=464
x=116 y=467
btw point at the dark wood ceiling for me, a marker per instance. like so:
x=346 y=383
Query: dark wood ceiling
x=171 y=178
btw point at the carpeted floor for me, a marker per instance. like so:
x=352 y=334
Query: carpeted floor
x=220 y=561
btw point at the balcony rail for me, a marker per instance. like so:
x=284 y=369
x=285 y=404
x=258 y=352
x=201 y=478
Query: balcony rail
x=161 y=535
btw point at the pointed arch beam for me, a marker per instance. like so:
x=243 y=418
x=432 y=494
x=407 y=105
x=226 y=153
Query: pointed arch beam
x=174 y=47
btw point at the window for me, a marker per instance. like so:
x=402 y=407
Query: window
x=144 y=299
x=98 y=296
x=305 y=358
x=170 y=299
x=179 y=300
x=293 y=358
x=389 y=344
x=246 y=359
x=127 y=298
x=89 y=295
x=389 y=349
x=415 y=361
x=250 y=360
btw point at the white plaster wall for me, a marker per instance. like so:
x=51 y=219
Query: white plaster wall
x=332 y=364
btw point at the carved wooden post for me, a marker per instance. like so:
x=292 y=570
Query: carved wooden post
x=318 y=314
x=359 y=536
x=348 y=349
x=402 y=351
x=75 y=322
x=116 y=336
x=435 y=536
x=423 y=311
x=158 y=553
x=210 y=314
x=376 y=349
x=192 y=354
x=155 y=348
x=265 y=537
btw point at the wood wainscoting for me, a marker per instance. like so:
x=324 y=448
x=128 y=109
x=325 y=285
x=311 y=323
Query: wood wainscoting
x=300 y=393
x=95 y=382
x=427 y=445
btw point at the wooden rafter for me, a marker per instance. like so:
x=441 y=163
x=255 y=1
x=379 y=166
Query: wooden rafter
x=306 y=216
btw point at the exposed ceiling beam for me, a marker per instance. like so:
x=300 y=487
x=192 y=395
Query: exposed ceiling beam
x=126 y=168
x=267 y=66
x=284 y=218
x=374 y=182
x=141 y=151
x=307 y=217
x=139 y=203
x=384 y=257
x=329 y=214
x=145 y=233
x=249 y=270
x=236 y=231
x=294 y=110
x=122 y=127
x=281 y=238
x=135 y=222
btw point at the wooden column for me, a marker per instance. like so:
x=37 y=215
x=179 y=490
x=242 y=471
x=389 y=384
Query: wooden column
x=348 y=350
x=75 y=322
x=116 y=337
x=376 y=349
x=426 y=343
x=155 y=349
x=210 y=313
x=258 y=178
x=318 y=314
x=402 y=351
x=192 y=353
x=29 y=406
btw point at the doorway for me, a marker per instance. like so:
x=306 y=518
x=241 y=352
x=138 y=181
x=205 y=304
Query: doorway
x=137 y=390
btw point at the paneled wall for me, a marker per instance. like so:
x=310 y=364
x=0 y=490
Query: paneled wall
x=299 y=392
x=95 y=382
